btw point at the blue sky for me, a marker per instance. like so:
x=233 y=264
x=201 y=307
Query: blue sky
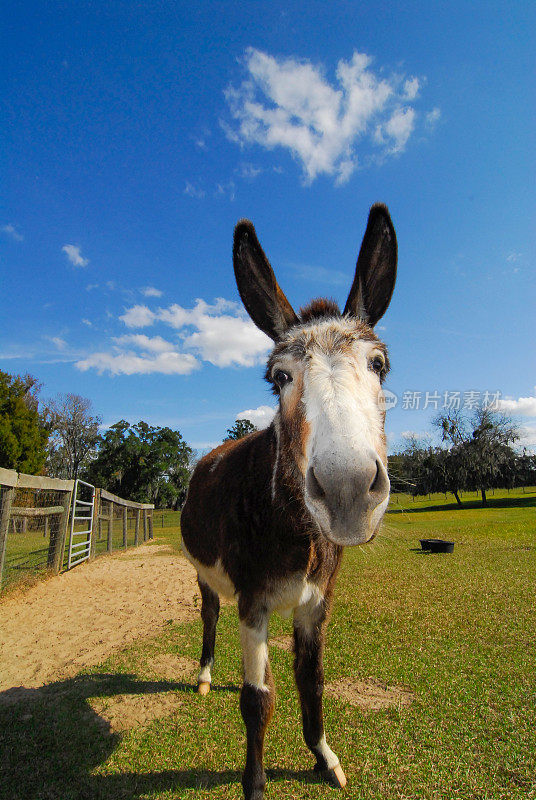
x=135 y=135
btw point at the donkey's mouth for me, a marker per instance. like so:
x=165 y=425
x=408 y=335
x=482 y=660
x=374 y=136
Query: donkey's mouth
x=344 y=535
x=346 y=530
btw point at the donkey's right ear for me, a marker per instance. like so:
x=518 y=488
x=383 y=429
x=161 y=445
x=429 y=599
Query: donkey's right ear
x=264 y=301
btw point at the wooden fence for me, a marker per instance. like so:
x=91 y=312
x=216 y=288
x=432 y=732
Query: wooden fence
x=34 y=522
x=104 y=511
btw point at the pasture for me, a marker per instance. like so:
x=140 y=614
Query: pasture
x=457 y=632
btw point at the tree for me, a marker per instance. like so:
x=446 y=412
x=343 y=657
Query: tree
x=74 y=435
x=480 y=448
x=142 y=463
x=23 y=429
x=476 y=455
x=241 y=428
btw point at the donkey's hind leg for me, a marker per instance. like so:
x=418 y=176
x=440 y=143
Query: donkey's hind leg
x=210 y=611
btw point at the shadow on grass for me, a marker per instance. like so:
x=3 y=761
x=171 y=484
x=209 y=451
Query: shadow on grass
x=51 y=741
x=469 y=505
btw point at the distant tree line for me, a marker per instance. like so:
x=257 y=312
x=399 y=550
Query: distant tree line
x=476 y=455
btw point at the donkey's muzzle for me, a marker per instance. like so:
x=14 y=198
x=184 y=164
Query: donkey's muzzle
x=347 y=500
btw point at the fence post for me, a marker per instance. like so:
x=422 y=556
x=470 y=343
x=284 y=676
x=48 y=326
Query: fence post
x=125 y=524
x=144 y=524
x=57 y=543
x=96 y=525
x=150 y=518
x=109 y=544
x=5 y=510
x=137 y=528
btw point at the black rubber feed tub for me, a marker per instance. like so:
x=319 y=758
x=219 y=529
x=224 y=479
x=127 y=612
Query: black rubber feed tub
x=437 y=545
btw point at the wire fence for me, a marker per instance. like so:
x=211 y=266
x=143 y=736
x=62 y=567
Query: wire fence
x=34 y=532
x=47 y=525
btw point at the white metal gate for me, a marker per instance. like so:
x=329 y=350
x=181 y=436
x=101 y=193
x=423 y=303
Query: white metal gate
x=81 y=515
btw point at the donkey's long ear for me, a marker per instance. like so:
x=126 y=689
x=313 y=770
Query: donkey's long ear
x=264 y=301
x=375 y=273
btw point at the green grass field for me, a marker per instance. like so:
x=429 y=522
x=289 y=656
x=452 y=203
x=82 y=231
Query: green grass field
x=459 y=630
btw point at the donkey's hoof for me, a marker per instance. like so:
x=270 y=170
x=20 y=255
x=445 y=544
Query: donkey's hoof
x=335 y=776
x=203 y=688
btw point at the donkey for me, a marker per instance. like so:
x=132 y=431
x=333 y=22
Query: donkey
x=267 y=516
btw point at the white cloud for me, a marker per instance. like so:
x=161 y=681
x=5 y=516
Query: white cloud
x=74 y=255
x=150 y=344
x=261 y=417
x=220 y=333
x=138 y=317
x=411 y=88
x=60 y=343
x=150 y=291
x=399 y=128
x=289 y=103
x=433 y=117
x=130 y=363
x=525 y=406
x=527 y=437
x=194 y=191
x=11 y=231
x=87 y=322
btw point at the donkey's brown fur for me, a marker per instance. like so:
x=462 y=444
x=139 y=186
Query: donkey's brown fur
x=260 y=521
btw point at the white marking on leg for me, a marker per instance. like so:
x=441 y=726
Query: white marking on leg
x=254 y=654
x=310 y=610
x=205 y=675
x=324 y=750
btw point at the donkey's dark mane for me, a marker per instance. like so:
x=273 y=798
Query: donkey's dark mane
x=319 y=309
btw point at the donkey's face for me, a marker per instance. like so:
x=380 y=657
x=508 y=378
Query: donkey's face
x=327 y=369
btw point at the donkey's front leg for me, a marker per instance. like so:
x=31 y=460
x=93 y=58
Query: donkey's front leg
x=257 y=698
x=309 y=634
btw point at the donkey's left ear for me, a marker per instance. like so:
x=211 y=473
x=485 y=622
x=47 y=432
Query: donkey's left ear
x=375 y=273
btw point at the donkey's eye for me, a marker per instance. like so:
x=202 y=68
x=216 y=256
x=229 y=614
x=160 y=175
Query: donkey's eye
x=281 y=378
x=377 y=365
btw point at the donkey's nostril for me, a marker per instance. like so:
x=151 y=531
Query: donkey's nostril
x=375 y=481
x=379 y=488
x=313 y=487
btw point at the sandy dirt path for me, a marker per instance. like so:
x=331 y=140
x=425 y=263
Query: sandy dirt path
x=76 y=619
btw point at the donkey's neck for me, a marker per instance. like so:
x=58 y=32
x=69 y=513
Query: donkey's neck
x=287 y=488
